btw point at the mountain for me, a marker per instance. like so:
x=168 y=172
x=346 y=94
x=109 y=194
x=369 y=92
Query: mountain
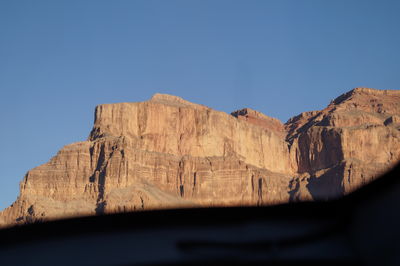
x=171 y=153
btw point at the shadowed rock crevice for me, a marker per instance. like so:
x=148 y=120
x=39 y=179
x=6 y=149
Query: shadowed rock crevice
x=328 y=185
x=260 y=191
x=294 y=190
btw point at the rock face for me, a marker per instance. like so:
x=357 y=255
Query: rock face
x=170 y=153
x=346 y=145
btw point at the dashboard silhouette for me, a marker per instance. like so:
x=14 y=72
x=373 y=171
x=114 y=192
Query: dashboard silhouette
x=361 y=228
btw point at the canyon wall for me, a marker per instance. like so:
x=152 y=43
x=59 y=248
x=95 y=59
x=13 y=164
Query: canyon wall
x=170 y=153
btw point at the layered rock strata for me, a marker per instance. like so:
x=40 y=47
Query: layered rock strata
x=170 y=153
x=346 y=145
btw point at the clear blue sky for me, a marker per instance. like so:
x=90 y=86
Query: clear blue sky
x=59 y=59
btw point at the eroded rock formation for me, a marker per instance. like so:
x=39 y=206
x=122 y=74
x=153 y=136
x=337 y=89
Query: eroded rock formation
x=346 y=145
x=169 y=153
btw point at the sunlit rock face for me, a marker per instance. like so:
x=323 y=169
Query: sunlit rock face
x=346 y=145
x=171 y=153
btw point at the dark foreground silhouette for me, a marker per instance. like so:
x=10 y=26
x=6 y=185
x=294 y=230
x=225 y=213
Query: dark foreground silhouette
x=362 y=228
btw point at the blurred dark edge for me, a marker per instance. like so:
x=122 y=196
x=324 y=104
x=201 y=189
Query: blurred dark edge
x=380 y=196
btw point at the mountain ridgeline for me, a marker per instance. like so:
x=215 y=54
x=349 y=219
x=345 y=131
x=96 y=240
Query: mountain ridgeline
x=171 y=153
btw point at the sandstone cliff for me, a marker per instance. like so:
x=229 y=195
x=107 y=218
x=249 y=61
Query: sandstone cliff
x=168 y=153
x=336 y=150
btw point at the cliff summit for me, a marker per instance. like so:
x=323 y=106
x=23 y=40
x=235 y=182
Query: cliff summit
x=169 y=153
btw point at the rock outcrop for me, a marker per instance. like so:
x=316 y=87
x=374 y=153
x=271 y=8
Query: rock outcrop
x=346 y=145
x=170 y=153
